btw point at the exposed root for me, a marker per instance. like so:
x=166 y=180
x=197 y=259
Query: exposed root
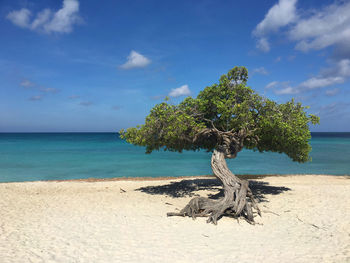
x=241 y=206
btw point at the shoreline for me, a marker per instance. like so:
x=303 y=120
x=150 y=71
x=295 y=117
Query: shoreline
x=304 y=219
x=163 y=178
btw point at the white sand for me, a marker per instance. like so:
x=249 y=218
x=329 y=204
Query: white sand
x=97 y=222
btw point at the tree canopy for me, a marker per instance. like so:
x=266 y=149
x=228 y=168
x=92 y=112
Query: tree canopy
x=228 y=115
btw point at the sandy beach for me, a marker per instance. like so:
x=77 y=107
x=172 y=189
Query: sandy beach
x=306 y=218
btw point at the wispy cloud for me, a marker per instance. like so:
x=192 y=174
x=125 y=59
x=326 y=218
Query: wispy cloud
x=263 y=44
x=291 y=57
x=180 y=91
x=332 y=92
x=281 y=88
x=286 y=91
x=35 y=98
x=49 y=90
x=42 y=19
x=157 y=97
x=20 y=17
x=116 y=107
x=321 y=81
x=26 y=83
x=337 y=73
x=260 y=70
x=326 y=27
x=312 y=30
x=271 y=85
x=135 y=60
x=279 y=15
x=48 y=21
x=72 y=97
x=86 y=103
x=29 y=84
x=337 y=108
x=64 y=19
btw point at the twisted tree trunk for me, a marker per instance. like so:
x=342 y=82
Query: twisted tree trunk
x=238 y=199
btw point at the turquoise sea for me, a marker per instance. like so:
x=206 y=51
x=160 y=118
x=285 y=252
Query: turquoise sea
x=59 y=156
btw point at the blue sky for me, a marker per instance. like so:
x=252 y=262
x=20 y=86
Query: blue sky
x=70 y=65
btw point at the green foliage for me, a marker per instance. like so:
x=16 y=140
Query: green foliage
x=229 y=107
x=168 y=126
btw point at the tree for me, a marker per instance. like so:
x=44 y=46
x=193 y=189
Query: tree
x=223 y=119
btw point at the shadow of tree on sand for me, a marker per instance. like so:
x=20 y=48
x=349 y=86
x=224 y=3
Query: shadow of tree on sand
x=189 y=187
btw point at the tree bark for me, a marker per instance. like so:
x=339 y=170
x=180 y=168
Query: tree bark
x=238 y=200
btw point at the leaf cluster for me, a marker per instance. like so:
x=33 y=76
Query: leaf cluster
x=225 y=115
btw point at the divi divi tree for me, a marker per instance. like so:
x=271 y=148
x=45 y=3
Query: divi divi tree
x=223 y=119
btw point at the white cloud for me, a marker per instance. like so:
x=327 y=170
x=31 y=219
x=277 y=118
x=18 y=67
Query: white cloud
x=20 y=18
x=261 y=71
x=323 y=28
x=26 y=83
x=336 y=74
x=281 y=88
x=320 y=82
x=42 y=18
x=287 y=91
x=312 y=30
x=64 y=19
x=135 y=60
x=271 y=85
x=281 y=14
x=48 y=21
x=263 y=44
x=180 y=91
x=329 y=26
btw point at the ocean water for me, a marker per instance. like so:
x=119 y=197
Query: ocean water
x=59 y=156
